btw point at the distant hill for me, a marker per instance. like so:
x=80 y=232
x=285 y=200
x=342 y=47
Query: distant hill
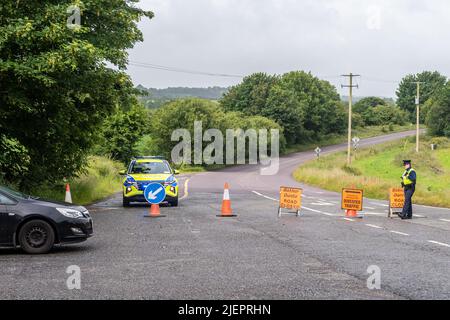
x=154 y=98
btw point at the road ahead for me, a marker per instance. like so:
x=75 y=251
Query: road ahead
x=192 y=254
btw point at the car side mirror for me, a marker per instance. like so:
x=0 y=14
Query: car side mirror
x=176 y=172
x=122 y=172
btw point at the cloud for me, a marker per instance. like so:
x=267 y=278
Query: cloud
x=327 y=37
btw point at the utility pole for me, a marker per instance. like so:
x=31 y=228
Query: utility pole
x=418 y=83
x=350 y=102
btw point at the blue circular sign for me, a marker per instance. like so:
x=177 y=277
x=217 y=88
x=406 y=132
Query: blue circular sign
x=155 y=193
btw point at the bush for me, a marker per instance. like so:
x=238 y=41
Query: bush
x=182 y=114
x=382 y=115
x=438 y=119
x=14 y=160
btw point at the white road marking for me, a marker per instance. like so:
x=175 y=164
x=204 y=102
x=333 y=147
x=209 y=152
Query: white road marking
x=419 y=216
x=318 y=211
x=370 y=208
x=439 y=243
x=379 y=204
x=400 y=233
x=186 y=191
x=445 y=220
x=374 y=213
x=348 y=219
x=374 y=226
x=261 y=195
x=322 y=204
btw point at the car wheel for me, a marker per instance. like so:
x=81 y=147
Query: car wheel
x=126 y=202
x=174 y=203
x=36 y=237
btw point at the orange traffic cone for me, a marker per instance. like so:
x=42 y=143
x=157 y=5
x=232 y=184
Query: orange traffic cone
x=68 y=198
x=154 y=212
x=352 y=214
x=227 y=212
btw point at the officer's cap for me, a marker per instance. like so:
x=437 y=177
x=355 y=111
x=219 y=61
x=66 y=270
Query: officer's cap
x=405 y=162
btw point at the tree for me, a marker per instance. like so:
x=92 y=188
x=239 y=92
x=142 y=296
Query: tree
x=250 y=96
x=384 y=115
x=14 y=159
x=56 y=87
x=438 y=119
x=407 y=90
x=183 y=113
x=122 y=131
x=308 y=108
x=368 y=102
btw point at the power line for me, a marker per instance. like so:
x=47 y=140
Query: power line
x=181 y=70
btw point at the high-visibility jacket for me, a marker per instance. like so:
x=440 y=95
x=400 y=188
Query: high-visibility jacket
x=406 y=177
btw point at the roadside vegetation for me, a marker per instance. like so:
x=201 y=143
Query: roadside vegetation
x=99 y=179
x=70 y=107
x=379 y=168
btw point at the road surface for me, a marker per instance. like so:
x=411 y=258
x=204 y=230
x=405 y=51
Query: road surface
x=192 y=254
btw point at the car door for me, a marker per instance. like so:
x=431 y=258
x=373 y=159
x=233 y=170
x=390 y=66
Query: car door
x=6 y=232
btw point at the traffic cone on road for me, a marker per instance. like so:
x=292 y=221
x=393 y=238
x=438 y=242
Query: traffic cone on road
x=226 y=203
x=68 y=198
x=154 y=212
x=352 y=214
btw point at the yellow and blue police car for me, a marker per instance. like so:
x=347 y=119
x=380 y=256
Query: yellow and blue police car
x=143 y=171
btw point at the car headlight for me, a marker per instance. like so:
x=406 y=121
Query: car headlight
x=70 y=213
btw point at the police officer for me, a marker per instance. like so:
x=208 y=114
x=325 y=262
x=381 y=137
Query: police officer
x=409 y=179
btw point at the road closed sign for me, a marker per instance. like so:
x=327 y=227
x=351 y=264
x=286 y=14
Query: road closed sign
x=352 y=199
x=396 y=198
x=290 y=198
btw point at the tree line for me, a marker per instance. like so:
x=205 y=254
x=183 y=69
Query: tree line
x=61 y=101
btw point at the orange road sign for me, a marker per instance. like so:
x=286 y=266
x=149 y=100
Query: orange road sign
x=352 y=199
x=396 y=198
x=290 y=198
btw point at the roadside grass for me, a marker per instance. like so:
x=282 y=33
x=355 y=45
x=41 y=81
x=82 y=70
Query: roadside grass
x=361 y=132
x=379 y=168
x=100 y=180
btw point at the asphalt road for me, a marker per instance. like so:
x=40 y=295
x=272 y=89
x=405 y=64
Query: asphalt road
x=192 y=254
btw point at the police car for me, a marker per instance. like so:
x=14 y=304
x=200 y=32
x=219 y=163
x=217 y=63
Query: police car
x=143 y=171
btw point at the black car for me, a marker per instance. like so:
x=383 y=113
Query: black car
x=36 y=225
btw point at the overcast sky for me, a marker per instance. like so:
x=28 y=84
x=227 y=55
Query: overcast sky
x=380 y=39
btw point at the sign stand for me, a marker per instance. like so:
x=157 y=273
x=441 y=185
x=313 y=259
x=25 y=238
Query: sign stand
x=396 y=201
x=291 y=199
x=352 y=202
x=154 y=193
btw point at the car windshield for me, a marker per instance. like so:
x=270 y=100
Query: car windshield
x=13 y=193
x=150 y=168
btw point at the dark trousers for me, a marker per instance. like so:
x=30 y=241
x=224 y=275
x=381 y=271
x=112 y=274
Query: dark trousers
x=407 y=208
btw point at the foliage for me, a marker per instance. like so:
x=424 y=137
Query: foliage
x=438 y=119
x=99 y=180
x=369 y=102
x=378 y=169
x=121 y=131
x=306 y=107
x=384 y=115
x=407 y=90
x=182 y=114
x=56 y=87
x=14 y=159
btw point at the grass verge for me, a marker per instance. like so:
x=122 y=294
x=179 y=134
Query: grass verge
x=377 y=169
x=100 y=180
